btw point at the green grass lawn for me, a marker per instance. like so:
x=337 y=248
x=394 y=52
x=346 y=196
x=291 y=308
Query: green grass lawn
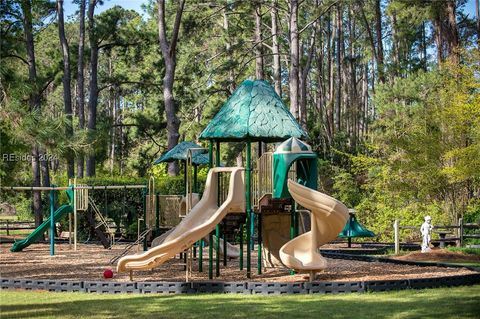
x=463 y=263
x=17 y=232
x=459 y=302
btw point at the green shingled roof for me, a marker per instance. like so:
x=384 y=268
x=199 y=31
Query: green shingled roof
x=180 y=152
x=254 y=112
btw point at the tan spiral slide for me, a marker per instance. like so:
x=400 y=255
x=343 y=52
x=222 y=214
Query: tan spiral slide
x=328 y=217
x=201 y=220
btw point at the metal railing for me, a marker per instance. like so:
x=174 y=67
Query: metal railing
x=140 y=239
x=262 y=175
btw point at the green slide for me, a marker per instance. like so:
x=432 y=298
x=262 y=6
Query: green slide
x=38 y=233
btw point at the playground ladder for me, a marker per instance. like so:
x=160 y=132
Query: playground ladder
x=103 y=221
x=140 y=239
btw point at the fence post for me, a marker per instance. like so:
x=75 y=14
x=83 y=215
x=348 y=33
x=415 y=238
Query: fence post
x=460 y=231
x=397 y=236
x=8 y=231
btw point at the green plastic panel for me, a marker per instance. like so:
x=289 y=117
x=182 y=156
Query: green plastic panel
x=307 y=171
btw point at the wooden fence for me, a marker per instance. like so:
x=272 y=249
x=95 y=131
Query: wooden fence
x=9 y=225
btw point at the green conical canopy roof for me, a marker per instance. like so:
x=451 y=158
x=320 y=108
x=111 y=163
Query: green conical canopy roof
x=254 y=112
x=180 y=152
x=354 y=229
x=293 y=146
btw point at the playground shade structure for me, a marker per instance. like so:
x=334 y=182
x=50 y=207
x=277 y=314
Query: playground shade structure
x=354 y=229
x=201 y=220
x=254 y=112
x=37 y=234
x=328 y=217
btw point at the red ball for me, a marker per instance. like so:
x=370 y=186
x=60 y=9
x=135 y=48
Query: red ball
x=108 y=274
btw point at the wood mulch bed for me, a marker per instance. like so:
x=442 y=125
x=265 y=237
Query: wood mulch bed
x=89 y=262
x=440 y=255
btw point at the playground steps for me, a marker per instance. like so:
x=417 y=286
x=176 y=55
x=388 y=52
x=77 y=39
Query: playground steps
x=102 y=229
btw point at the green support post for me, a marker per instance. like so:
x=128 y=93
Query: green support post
x=184 y=178
x=185 y=260
x=296 y=219
x=200 y=255
x=145 y=248
x=224 y=237
x=217 y=251
x=248 y=205
x=210 y=256
x=241 y=246
x=157 y=214
x=252 y=230
x=292 y=227
x=195 y=179
x=210 y=236
x=52 y=222
x=259 y=244
x=217 y=228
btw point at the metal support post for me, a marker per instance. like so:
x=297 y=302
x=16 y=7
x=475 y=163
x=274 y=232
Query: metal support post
x=52 y=223
x=248 y=208
x=259 y=245
x=241 y=246
x=224 y=237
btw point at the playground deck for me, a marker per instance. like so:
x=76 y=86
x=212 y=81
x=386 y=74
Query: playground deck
x=89 y=262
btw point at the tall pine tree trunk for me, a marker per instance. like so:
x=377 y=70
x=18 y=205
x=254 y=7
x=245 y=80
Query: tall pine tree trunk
x=277 y=71
x=338 y=95
x=452 y=34
x=303 y=78
x=379 y=35
x=67 y=94
x=169 y=53
x=80 y=84
x=34 y=104
x=258 y=42
x=477 y=10
x=93 y=86
x=331 y=78
x=294 y=58
x=228 y=45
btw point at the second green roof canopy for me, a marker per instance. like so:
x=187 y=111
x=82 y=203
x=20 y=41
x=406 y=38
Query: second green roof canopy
x=180 y=152
x=254 y=112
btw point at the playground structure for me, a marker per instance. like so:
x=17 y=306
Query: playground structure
x=254 y=113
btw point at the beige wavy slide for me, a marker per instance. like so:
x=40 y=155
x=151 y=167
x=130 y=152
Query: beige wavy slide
x=328 y=217
x=201 y=220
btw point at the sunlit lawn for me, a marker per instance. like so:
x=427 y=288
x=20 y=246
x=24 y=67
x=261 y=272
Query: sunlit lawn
x=460 y=302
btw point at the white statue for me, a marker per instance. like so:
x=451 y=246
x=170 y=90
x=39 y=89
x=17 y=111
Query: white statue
x=426 y=231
